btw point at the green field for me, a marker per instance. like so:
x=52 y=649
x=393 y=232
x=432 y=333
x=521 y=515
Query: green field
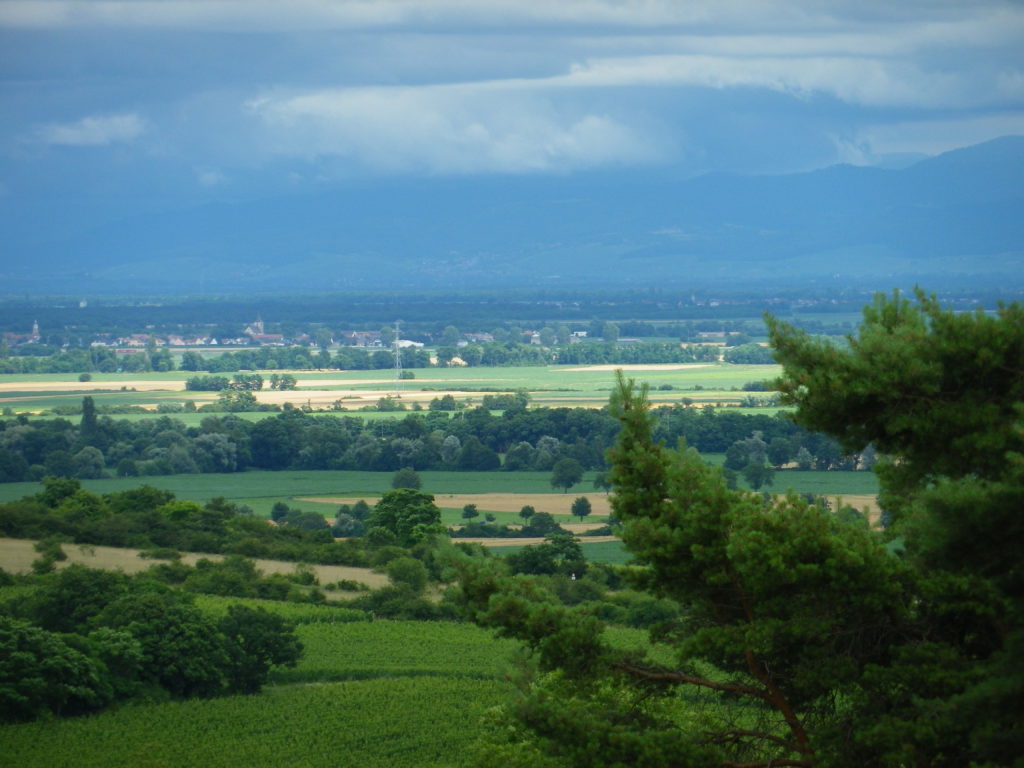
x=363 y=650
x=547 y=385
x=385 y=694
x=389 y=722
x=269 y=486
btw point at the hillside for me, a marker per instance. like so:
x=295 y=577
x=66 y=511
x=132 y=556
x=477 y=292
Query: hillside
x=951 y=216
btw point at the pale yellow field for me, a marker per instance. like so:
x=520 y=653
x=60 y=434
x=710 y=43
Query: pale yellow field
x=352 y=397
x=81 y=386
x=492 y=542
x=16 y=556
x=643 y=367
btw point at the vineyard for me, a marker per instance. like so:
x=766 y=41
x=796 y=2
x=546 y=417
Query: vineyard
x=383 y=723
x=397 y=649
x=393 y=693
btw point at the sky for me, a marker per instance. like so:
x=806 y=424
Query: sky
x=211 y=98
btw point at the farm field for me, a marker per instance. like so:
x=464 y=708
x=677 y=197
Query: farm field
x=383 y=693
x=242 y=486
x=501 y=493
x=16 y=556
x=703 y=383
x=290 y=485
x=387 y=722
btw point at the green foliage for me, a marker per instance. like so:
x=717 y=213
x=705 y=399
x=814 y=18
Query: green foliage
x=581 y=507
x=781 y=605
x=40 y=674
x=182 y=651
x=407 y=514
x=939 y=389
x=406 y=477
x=409 y=572
x=566 y=473
x=941 y=394
x=256 y=641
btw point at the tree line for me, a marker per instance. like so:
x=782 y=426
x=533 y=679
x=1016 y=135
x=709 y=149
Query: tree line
x=520 y=439
x=44 y=359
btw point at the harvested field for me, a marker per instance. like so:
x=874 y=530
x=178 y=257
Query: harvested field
x=860 y=502
x=352 y=397
x=642 y=367
x=138 y=385
x=552 y=503
x=16 y=556
x=492 y=542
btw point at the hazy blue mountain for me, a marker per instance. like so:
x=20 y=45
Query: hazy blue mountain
x=958 y=216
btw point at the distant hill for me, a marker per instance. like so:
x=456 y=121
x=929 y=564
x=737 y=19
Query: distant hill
x=957 y=216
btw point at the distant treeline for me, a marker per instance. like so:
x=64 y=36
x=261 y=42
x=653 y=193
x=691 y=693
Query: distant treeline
x=105 y=360
x=426 y=313
x=472 y=440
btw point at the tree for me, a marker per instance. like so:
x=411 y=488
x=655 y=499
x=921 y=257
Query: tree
x=566 y=473
x=406 y=477
x=527 y=512
x=89 y=463
x=939 y=395
x=610 y=332
x=474 y=455
x=780 y=451
x=182 y=650
x=192 y=361
x=235 y=401
x=472 y=355
x=90 y=425
x=409 y=515
x=603 y=482
x=408 y=572
x=256 y=640
x=450 y=337
x=469 y=511
x=758 y=475
x=788 y=605
x=40 y=674
x=581 y=507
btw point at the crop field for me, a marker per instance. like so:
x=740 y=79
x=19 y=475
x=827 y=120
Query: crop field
x=388 y=722
x=244 y=486
x=16 y=556
x=385 y=694
x=587 y=386
x=363 y=650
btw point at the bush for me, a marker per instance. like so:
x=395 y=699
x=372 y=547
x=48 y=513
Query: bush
x=408 y=572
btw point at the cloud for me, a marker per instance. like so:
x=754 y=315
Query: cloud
x=862 y=81
x=93 y=131
x=210 y=177
x=469 y=128
x=513 y=86
x=933 y=137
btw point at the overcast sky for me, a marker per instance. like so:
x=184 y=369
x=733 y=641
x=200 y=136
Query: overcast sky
x=214 y=94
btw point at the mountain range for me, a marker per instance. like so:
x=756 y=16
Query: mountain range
x=956 y=217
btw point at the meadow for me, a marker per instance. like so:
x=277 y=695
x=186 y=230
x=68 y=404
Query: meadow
x=568 y=386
